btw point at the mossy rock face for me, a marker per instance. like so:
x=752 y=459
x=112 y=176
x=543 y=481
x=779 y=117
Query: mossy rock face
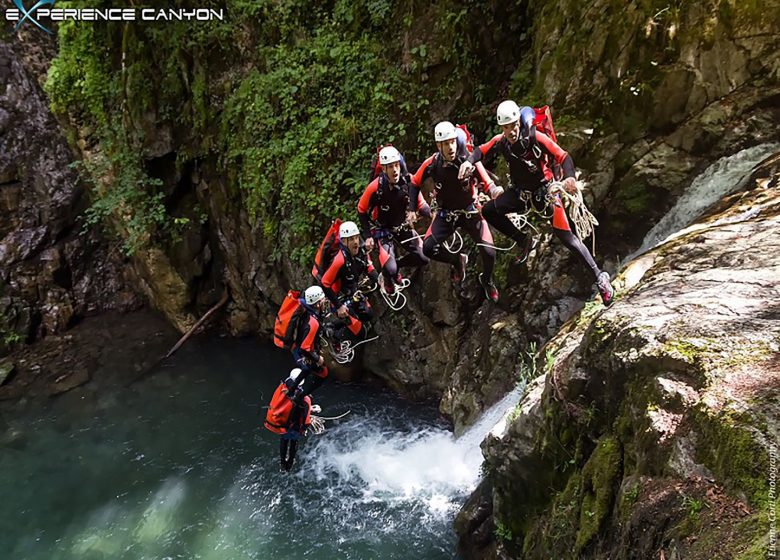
x=577 y=514
x=734 y=447
x=599 y=479
x=657 y=416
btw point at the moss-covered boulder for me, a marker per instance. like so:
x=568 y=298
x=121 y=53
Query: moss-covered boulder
x=655 y=426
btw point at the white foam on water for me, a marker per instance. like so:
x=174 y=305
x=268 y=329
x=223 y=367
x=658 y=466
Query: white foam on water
x=431 y=468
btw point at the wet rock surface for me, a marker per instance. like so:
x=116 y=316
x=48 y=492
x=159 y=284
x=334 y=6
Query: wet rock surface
x=51 y=273
x=112 y=348
x=664 y=404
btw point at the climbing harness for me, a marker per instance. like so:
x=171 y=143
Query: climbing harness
x=455 y=243
x=396 y=300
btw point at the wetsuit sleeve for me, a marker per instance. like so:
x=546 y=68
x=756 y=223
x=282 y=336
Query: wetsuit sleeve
x=423 y=209
x=557 y=153
x=483 y=150
x=330 y=277
x=417 y=180
x=309 y=331
x=484 y=178
x=364 y=207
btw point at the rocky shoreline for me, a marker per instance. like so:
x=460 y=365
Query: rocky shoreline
x=101 y=351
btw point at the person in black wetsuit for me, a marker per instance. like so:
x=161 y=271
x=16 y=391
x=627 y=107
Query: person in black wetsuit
x=386 y=218
x=340 y=284
x=456 y=207
x=531 y=156
x=306 y=346
x=289 y=415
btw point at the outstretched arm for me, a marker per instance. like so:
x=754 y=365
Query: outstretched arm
x=467 y=167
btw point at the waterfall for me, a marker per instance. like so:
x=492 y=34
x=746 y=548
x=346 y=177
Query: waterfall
x=429 y=466
x=725 y=176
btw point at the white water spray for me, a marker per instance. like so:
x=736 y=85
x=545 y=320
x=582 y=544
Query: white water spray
x=725 y=176
x=431 y=468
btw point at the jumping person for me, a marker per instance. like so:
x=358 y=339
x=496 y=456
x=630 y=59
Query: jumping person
x=289 y=415
x=306 y=345
x=457 y=207
x=386 y=214
x=341 y=280
x=531 y=156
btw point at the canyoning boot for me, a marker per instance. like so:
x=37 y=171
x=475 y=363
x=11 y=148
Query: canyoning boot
x=388 y=285
x=605 y=289
x=525 y=249
x=491 y=292
x=459 y=272
x=333 y=328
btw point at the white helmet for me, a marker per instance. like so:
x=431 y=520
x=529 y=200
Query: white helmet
x=348 y=229
x=445 y=130
x=295 y=373
x=313 y=294
x=507 y=112
x=388 y=155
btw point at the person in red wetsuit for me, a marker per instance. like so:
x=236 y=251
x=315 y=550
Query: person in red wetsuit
x=308 y=334
x=457 y=207
x=531 y=156
x=386 y=218
x=289 y=415
x=341 y=279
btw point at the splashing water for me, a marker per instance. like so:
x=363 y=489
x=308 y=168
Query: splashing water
x=177 y=468
x=725 y=176
x=429 y=468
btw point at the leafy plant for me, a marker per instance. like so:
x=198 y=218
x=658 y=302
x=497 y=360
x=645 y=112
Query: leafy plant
x=11 y=338
x=693 y=505
x=310 y=91
x=502 y=532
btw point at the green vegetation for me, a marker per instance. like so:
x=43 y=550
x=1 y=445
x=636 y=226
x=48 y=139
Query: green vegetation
x=599 y=478
x=105 y=81
x=577 y=513
x=628 y=500
x=693 y=505
x=308 y=92
x=734 y=454
x=10 y=338
x=529 y=370
x=502 y=532
x=531 y=365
